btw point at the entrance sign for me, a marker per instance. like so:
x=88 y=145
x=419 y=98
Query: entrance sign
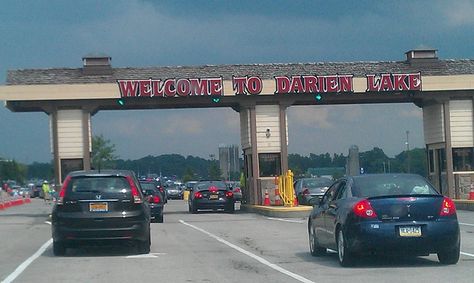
x=254 y=85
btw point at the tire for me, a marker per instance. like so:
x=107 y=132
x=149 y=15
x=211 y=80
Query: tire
x=59 y=248
x=159 y=219
x=143 y=247
x=192 y=209
x=345 y=256
x=314 y=248
x=230 y=208
x=449 y=256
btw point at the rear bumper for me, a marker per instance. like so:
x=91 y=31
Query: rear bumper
x=88 y=230
x=379 y=237
x=213 y=204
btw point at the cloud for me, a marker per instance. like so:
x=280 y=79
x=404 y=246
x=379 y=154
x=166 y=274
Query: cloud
x=458 y=13
x=310 y=116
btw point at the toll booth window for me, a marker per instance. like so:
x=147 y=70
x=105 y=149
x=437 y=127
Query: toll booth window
x=269 y=164
x=463 y=159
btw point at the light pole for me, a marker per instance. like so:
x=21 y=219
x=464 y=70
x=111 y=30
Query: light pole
x=408 y=152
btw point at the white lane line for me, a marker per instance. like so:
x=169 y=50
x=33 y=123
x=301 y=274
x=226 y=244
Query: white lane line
x=27 y=262
x=247 y=253
x=466 y=224
x=286 y=220
x=467 y=254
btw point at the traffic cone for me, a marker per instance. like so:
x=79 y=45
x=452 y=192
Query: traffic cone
x=277 y=196
x=266 y=201
x=295 y=201
x=471 y=193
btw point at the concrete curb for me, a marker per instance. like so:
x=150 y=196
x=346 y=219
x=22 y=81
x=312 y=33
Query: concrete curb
x=464 y=204
x=304 y=211
x=278 y=211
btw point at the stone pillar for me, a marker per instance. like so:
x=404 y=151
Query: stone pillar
x=353 y=166
x=448 y=150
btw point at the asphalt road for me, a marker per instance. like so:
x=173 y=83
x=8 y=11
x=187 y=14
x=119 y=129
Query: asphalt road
x=207 y=247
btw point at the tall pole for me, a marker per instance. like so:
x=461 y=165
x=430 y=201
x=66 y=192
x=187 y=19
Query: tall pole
x=408 y=152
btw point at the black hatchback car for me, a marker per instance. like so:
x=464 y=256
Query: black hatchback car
x=96 y=207
x=211 y=195
x=384 y=214
x=153 y=195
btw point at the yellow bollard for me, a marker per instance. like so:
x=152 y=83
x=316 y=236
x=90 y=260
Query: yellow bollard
x=186 y=195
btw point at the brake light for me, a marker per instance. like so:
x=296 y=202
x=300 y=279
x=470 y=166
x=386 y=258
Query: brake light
x=447 y=207
x=237 y=190
x=229 y=194
x=305 y=192
x=135 y=194
x=62 y=192
x=154 y=199
x=197 y=195
x=213 y=189
x=364 y=209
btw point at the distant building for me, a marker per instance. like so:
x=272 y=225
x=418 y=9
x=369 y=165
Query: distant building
x=229 y=160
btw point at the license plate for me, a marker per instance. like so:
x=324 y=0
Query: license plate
x=98 y=207
x=410 y=231
x=213 y=196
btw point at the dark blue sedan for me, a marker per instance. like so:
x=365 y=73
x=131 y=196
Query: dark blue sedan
x=384 y=214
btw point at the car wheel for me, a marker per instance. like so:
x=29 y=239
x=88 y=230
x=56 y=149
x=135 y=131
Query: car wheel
x=346 y=258
x=160 y=218
x=59 y=248
x=230 y=208
x=144 y=246
x=192 y=209
x=449 y=256
x=314 y=247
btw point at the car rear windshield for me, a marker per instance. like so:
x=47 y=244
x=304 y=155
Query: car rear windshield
x=387 y=185
x=102 y=184
x=206 y=185
x=148 y=188
x=317 y=183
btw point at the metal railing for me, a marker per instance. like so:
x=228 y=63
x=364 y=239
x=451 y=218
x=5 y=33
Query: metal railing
x=287 y=192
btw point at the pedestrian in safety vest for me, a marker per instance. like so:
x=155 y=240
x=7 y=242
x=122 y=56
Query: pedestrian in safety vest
x=45 y=188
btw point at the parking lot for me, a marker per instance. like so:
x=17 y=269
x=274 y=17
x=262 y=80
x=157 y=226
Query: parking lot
x=207 y=247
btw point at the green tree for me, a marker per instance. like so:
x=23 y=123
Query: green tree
x=214 y=171
x=12 y=170
x=103 y=153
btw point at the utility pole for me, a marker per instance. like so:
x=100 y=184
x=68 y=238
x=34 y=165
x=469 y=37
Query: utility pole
x=408 y=152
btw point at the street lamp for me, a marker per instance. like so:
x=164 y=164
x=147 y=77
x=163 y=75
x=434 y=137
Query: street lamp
x=408 y=152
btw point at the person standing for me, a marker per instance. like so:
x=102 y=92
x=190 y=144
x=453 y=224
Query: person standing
x=45 y=188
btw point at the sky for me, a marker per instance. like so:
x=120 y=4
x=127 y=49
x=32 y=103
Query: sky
x=138 y=33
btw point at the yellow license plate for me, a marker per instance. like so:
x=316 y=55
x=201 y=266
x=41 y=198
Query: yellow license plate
x=98 y=207
x=213 y=196
x=410 y=231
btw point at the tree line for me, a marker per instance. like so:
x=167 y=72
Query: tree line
x=192 y=167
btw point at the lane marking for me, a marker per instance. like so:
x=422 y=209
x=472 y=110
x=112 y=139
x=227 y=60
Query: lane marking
x=466 y=224
x=467 y=254
x=27 y=262
x=286 y=220
x=247 y=253
x=150 y=255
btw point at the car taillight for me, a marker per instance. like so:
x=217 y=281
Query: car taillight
x=364 y=209
x=135 y=194
x=237 y=190
x=447 y=207
x=154 y=199
x=229 y=194
x=305 y=192
x=197 y=195
x=62 y=192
